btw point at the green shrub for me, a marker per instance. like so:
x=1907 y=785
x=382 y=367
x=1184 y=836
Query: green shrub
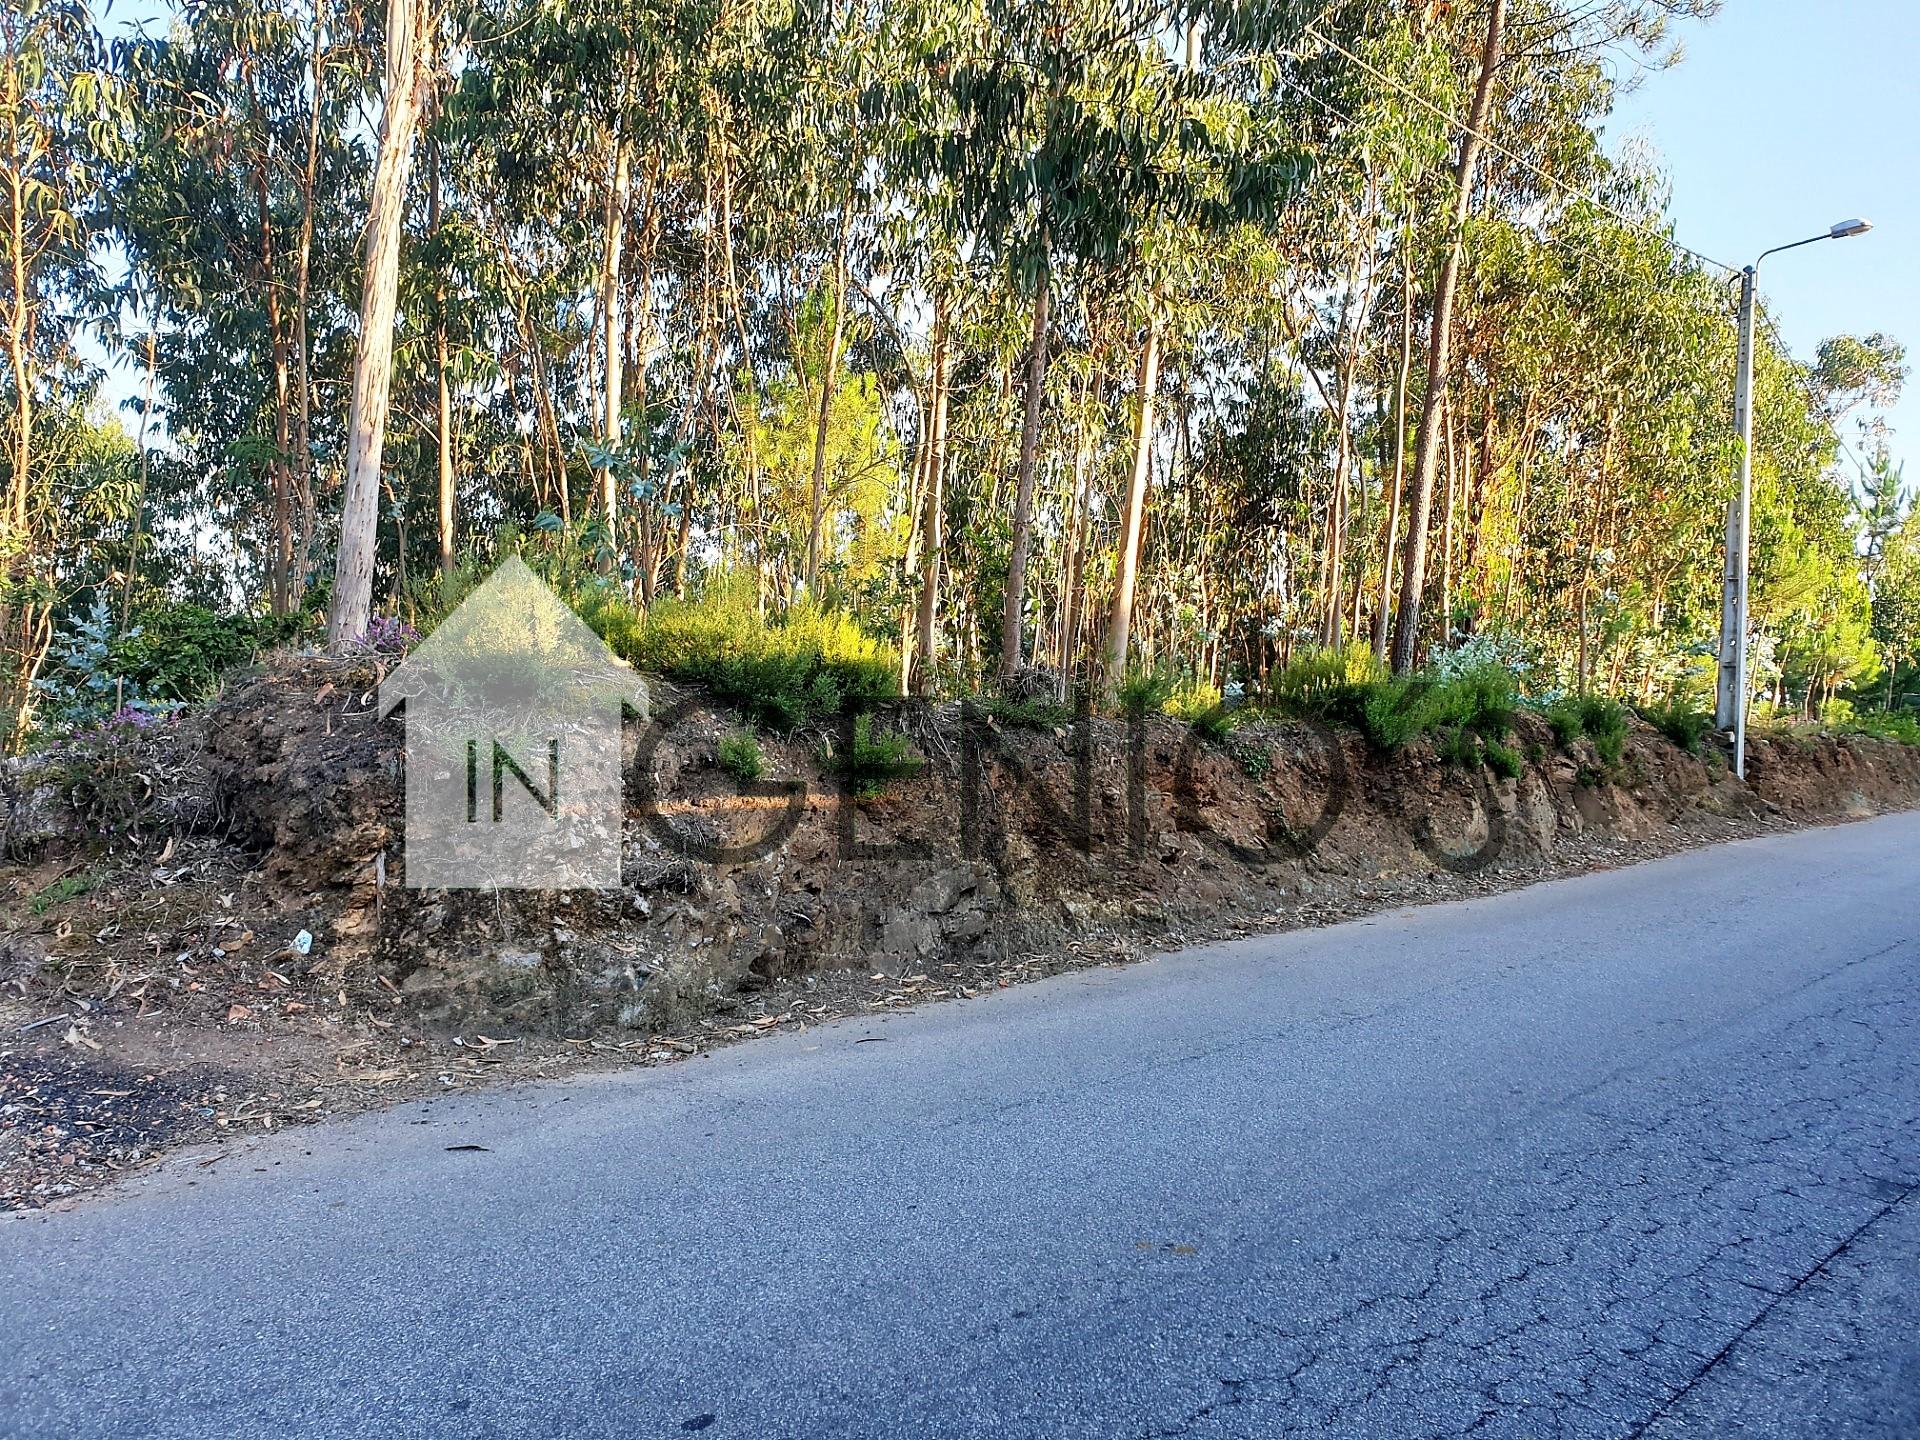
x=1191 y=699
x=1146 y=692
x=113 y=773
x=812 y=664
x=67 y=887
x=170 y=654
x=1200 y=704
x=1899 y=725
x=1595 y=717
x=1255 y=758
x=739 y=755
x=1332 y=685
x=1504 y=760
x=874 y=760
x=1679 y=722
x=1028 y=714
x=179 y=651
x=1481 y=700
x=1458 y=746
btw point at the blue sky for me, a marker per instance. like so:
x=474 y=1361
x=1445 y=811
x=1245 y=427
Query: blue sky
x=1784 y=116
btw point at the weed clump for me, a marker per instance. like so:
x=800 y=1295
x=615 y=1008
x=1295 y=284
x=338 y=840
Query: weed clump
x=1594 y=717
x=812 y=664
x=740 y=756
x=873 y=761
x=1680 y=722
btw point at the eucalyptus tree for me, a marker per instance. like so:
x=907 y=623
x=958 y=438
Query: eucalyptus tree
x=1406 y=638
x=231 y=207
x=60 y=105
x=1202 y=153
x=409 y=55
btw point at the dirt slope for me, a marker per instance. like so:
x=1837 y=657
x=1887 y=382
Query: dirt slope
x=173 y=997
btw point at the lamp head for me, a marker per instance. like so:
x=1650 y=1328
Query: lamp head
x=1844 y=228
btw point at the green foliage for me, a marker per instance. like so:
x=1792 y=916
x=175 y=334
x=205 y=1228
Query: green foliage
x=1901 y=725
x=180 y=651
x=1481 y=700
x=1504 y=760
x=1680 y=722
x=1330 y=685
x=739 y=755
x=1255 y=760
x=172 y=654
x=1146 y=692
x=1035 y=714
x=1192 y=699
x=1200 y=704
x=874 y=761
x=112 y=773
x=810 y=665
x=67 y=887
x=1593 y=717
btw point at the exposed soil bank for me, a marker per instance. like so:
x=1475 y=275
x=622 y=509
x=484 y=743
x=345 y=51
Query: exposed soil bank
x=179 y=1000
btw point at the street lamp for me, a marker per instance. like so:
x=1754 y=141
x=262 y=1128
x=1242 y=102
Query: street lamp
x=1730 y=708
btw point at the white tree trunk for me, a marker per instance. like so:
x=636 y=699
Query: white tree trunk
x=1121 y=623
x=373 y=362
x=611 y=334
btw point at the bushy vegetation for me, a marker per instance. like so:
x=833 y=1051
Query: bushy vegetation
x=1591 y=717
x=740 y=756
x=1901 y=725
x=1032 y=714
x=873 y=761
x=1468 y=708
x=113 y=772
x=167 y=655
x=1144 y=691
x=1333 y=685
x=812 y=664
x=1400 y=710
x=1681 y=722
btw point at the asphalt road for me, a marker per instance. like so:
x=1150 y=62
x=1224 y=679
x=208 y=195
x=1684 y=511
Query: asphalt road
x=1631 y=1155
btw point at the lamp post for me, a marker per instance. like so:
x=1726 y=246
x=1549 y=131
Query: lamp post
x=1730 y=708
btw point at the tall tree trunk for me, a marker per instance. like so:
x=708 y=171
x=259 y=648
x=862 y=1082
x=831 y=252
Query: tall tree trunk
x=1073 y=616
x=615 y=229
x=933 y=510
x=1450 y=460
x=1332 y=633
x=1406 y=639
x=1398 y=482
x=1120 y=622
x=445 y=391
x=829 y=382
x=302 y=357
x=19 y=348
x=277 y=581
x=373 y=360
x=140 y=491
x=1022 y=539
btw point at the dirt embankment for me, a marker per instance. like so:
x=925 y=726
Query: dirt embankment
x=264 y=960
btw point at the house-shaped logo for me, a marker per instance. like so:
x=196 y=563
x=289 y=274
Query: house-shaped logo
x=513 y=752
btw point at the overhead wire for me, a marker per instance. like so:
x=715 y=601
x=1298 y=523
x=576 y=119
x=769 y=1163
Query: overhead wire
x=1568 y=189
x=1540 y=172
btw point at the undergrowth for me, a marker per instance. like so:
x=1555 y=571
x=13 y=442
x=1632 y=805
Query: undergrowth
x=739 y=755
x=812 y=664
x=873 y=761
x=1592 y=717
x=1682 y=723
